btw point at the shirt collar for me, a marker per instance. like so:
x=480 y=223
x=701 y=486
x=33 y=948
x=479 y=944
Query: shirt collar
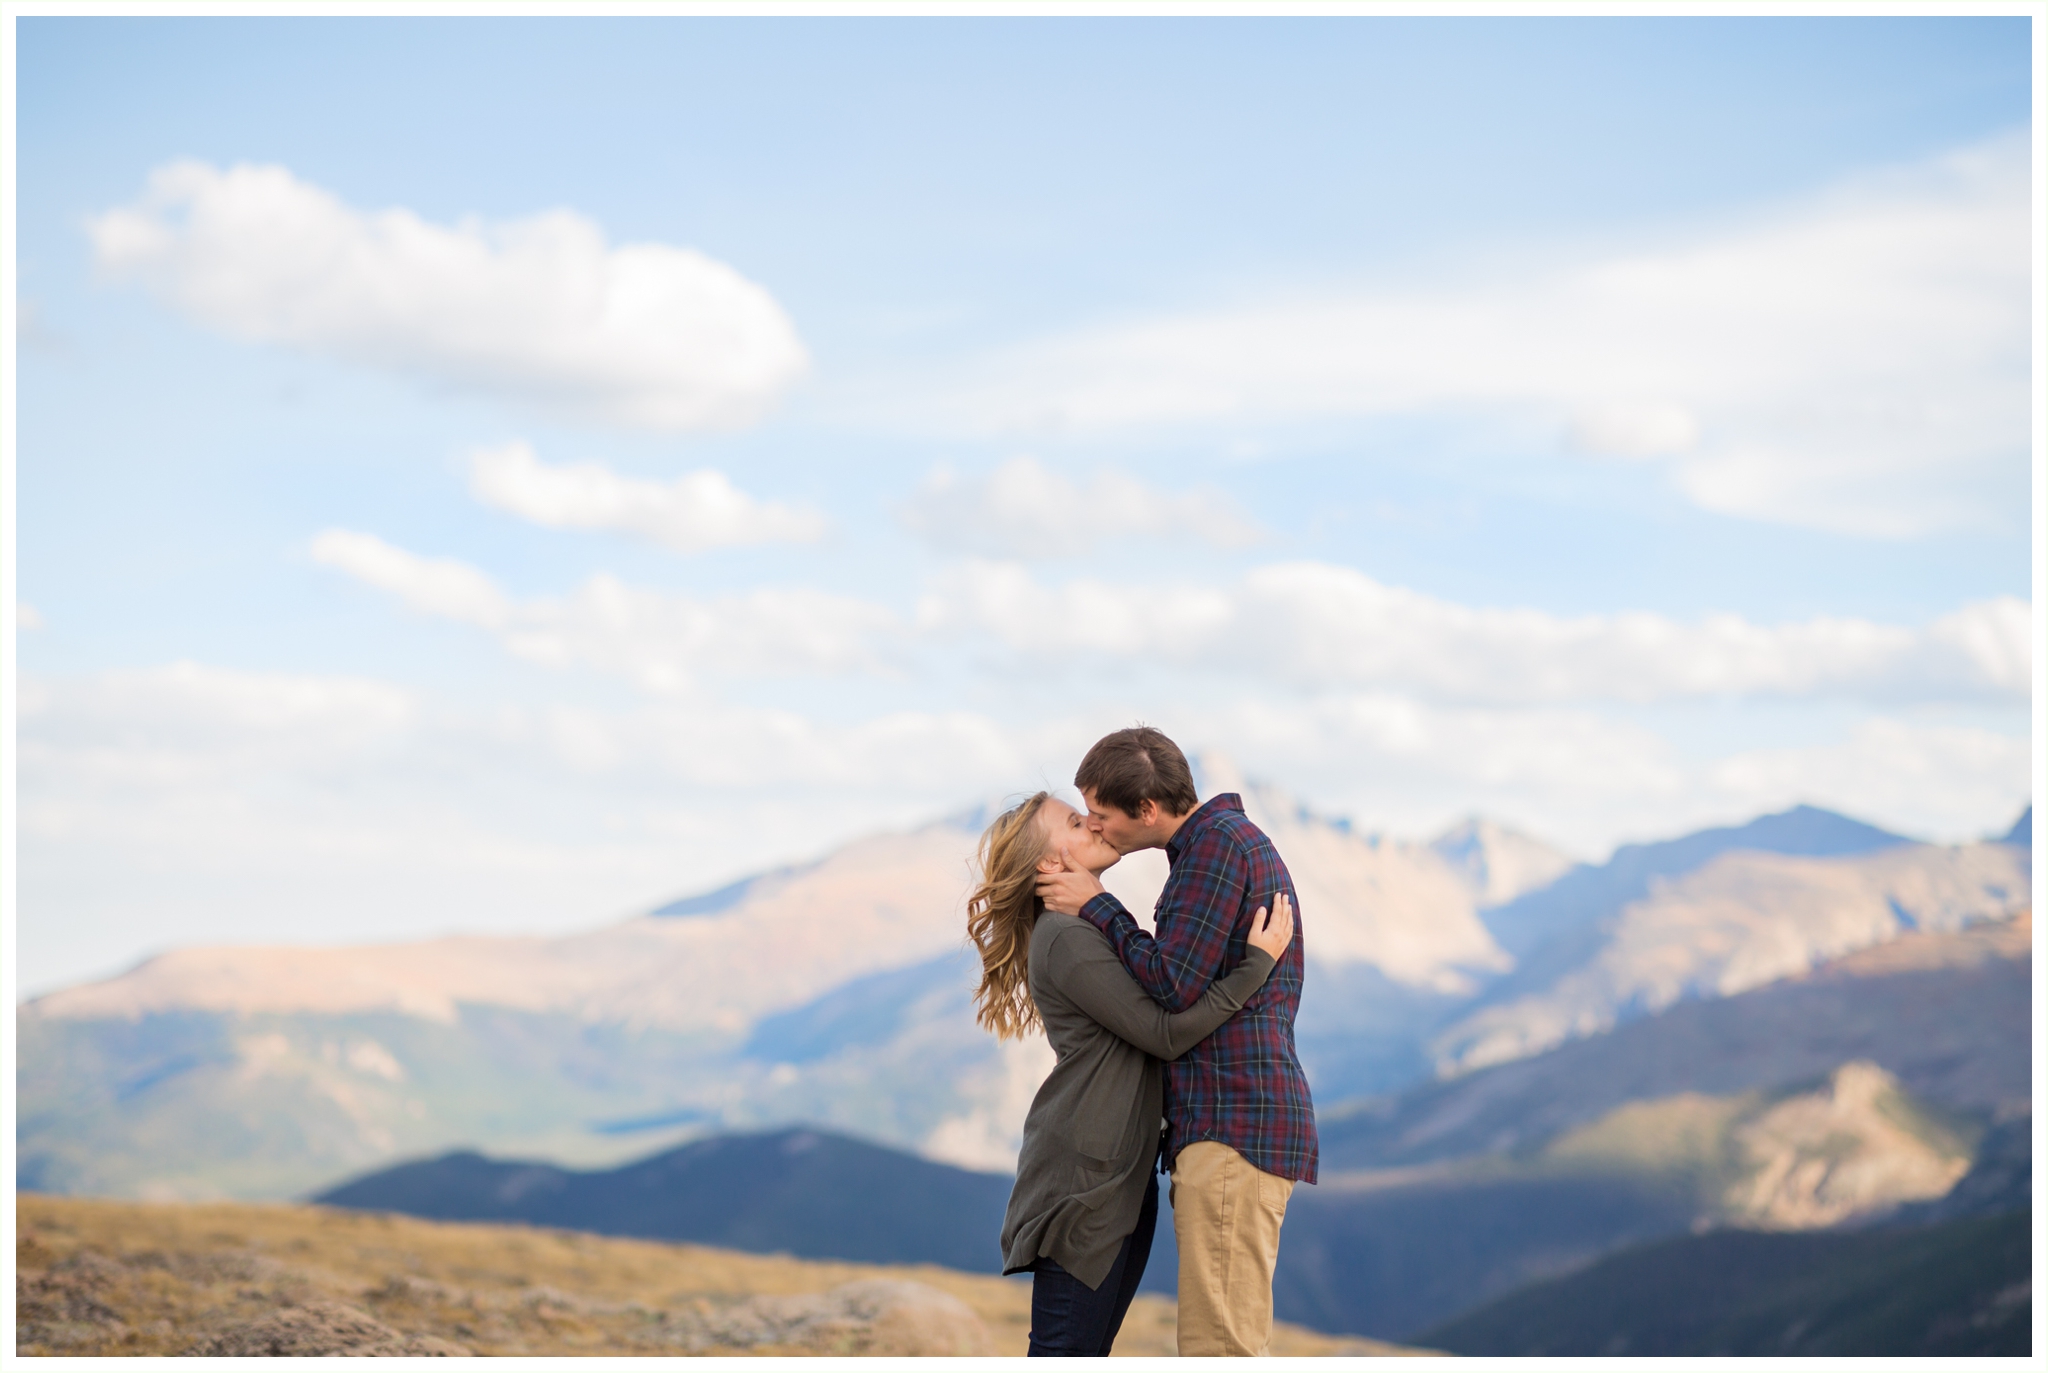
x=1200 y=819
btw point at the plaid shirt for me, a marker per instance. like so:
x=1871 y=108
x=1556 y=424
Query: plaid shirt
x=1243 y=1085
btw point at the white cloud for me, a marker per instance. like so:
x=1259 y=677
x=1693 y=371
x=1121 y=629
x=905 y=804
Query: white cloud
x=661 y=641
x=229 y=718
x=26 y=616
x=1996 y=638
x=1858 y=362
x=696 y=512
x=445 y=587
x=1415 y=757
x=191 y=725
x=1318 y=625
x=1022 y=510
x=195 y=770
x=946 y=756
x=540 y=309
x=664 y=641
x=1634 y=430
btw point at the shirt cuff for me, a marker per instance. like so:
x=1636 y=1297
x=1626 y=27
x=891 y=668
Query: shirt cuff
x=1101 y=911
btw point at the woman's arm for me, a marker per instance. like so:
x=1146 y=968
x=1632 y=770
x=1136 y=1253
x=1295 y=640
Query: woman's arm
x=1091 y=975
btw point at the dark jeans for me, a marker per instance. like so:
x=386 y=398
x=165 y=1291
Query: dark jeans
x=1070 y=1319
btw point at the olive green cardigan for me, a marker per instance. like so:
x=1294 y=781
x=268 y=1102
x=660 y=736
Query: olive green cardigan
x=1092 y=1134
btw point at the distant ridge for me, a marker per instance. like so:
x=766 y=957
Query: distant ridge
x=1804 y=831
x=1744 y=918
x=732 y=893
x=804 y=1192
x=2022 y=831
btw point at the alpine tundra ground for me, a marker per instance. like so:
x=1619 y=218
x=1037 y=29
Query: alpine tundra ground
x=114 y=1277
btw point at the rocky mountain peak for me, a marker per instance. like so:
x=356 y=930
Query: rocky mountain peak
x=1498 y=863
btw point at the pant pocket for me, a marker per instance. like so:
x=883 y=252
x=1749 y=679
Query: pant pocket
x=1273 y=1193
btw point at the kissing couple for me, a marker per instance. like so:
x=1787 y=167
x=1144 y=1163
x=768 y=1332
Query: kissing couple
x=1175 y=1049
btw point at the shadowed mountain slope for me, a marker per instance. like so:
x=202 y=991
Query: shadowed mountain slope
x=801 y=1192
x=2001 y=1179
x=1377 y=1255
x=1395 y=1250
x=1956 y=1289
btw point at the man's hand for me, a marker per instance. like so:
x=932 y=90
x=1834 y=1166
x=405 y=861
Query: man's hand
x=1069 y=889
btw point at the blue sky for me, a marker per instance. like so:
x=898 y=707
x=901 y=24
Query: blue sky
x=500 y=474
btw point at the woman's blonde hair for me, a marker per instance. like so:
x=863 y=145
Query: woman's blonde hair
x=1000 y=915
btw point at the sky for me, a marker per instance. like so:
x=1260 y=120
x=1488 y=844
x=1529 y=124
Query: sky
x=497 y=475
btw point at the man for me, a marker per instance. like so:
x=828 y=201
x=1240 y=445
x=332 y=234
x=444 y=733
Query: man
x=1241 y=1130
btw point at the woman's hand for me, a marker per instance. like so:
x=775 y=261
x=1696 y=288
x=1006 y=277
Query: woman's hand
x=1274 y=932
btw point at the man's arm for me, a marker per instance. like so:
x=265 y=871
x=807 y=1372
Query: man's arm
x=1197 y=914
x=1091 y=977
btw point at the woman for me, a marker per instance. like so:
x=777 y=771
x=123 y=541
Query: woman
x=1082 y=1212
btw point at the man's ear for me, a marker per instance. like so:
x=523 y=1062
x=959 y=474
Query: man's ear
x=1148 y=812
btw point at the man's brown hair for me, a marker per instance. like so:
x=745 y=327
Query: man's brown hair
x=1132 y=766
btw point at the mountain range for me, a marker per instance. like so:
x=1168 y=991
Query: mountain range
x=1521 y=1064
x=834 y=993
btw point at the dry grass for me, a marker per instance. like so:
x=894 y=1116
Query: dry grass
x=115 y=1277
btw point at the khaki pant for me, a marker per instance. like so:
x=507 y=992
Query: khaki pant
x=1226 y=1221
